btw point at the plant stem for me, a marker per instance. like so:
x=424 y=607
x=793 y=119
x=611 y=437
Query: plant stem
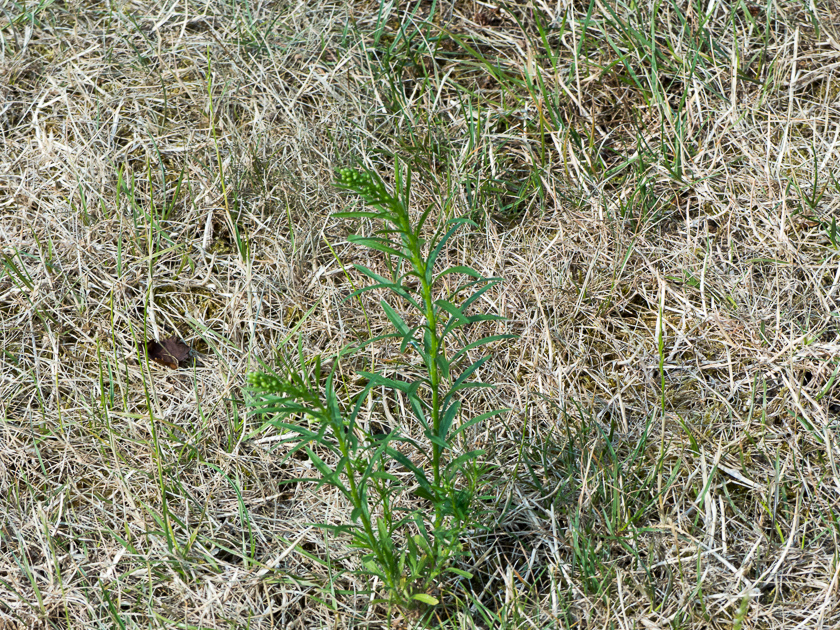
x=356 y=498
x=434 y=379
x=412 y=245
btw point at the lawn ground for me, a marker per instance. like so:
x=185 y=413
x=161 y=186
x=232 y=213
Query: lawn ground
x=658 y=184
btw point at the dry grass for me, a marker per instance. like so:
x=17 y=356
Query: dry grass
x=662 y=216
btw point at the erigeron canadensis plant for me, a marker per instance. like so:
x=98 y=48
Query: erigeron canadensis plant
x=409 y=549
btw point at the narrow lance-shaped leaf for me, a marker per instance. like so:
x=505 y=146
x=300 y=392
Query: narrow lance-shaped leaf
x=328 y=475
x=485 y=317
x=471 y=319
x=295 y=428
x=395 y=318
x=426 y=599
x=470 y=370
x=359 y=511
x=443 y=365
x=422 y=220
x=446 y=421
x=463 y=377
x=360 y=400
x=466 y=286
x=490 y=282
x=456 y=464
x=382 y=245
x=369 y=288
x=384 y=282
x=359 y=214
x=374 y=459
x=417 y=408
x=408 y=339
x=434 y=439
x=481 y=342
x=378 y=379
x=436 y=251
x=466 y=425
x=453 y=310
x=419 y=475
x=469 y=271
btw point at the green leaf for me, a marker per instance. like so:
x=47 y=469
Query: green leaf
x=490 y=282
x=481 y=342
x=379 y=245
x=468 y=384
x=319 y=463
x=436 y=440
x=456 y=464
x=360 y=401
x=422 y=220
x=385 y=477
x=408 y=339
x=390 y=286
x=453 y=310
x=478 y=419
x=426 y=599
x=419 y=475
x=384 y=282
x=328 y=476
x=296 y=429
x=481 y=317
x=443 y=365
x=373 y=275
x=461 y=381
x=434 y=254
x=453 y=324
x=382 y=528
x=395 y=318
x=358 y=215
x=378 y=379
x=424 y=494
x=417 y=408
x=446 y=421
x=376 y=457
x=458 y=269
x=415 y=385
x=357 y=513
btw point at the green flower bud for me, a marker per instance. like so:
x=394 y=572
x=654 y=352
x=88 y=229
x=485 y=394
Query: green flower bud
x=263 y=381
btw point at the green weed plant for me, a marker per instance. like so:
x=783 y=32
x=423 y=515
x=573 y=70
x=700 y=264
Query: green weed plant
x=409 y=533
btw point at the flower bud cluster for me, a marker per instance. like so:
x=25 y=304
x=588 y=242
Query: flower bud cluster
x=361 y=182
x=265 y=382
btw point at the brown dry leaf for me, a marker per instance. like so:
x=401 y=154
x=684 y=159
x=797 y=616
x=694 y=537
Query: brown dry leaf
x=170 y=352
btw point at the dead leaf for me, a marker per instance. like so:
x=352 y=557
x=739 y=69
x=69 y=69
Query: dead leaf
x=170 y=352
